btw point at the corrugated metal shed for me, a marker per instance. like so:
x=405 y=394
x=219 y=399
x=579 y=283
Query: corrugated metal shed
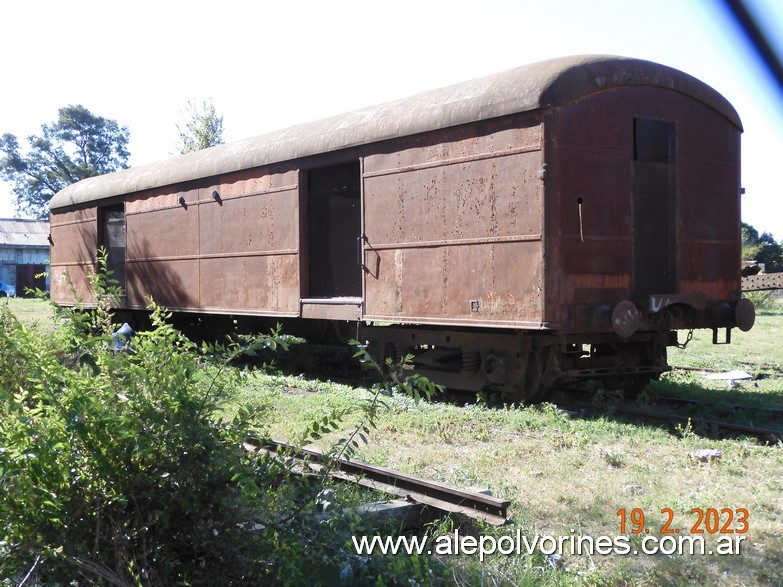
x=19 y=232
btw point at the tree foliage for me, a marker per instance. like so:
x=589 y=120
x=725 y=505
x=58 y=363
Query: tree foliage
x=77 y=145
x=762 y=248
x=203 y=129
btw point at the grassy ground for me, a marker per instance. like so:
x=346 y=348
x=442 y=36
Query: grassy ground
x=31 y=312
x=570 y=475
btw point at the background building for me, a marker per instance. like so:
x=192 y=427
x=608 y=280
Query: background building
x=24 y=253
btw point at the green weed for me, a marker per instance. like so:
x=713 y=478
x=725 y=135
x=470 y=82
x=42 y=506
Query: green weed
x=125 y=468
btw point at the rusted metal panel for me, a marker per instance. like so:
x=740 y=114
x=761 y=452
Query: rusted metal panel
x=489 y=284
x=74 y=237
x=762 y=281
x=171 y=282
x=592 y=242
x=249 y=244
x=249 y=181
x=596 y=259
x=458 y=186
x=453 y=227
x=226 y=247
x=69 y=283
x=163 y=231
x=72 y=254
x=261 y=284
x=332 y=308
x=162 y=250
x=252 y=213
x=702 y=268
x=708 y=208
x=257 y=224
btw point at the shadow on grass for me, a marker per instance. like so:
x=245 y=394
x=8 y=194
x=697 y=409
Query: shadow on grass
x=680 y=404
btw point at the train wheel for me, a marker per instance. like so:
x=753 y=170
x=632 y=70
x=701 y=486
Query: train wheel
x=534 y=385
x=642 y=355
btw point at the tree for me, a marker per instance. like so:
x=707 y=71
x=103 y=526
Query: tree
x=750 y=242
x=771 y=253
x=762 y=248
x=78 y=145
x=204 y=128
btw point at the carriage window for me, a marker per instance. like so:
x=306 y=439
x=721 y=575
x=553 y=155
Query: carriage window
x=112 y=238
x=654 y=141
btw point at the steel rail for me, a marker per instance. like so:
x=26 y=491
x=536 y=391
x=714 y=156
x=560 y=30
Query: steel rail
x=757 y=432
x=763 y=434
x=415 y=489
x=731 y=406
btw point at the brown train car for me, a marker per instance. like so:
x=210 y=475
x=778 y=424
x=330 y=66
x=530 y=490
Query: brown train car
x=553 y=222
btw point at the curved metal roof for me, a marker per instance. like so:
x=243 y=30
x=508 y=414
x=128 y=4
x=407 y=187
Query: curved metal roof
x=530 y=87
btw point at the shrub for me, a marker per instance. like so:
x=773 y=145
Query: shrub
x=766 y=302
x=118 y=466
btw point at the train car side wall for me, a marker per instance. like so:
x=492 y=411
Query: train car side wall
x=226 y=246
x=526 y=221
x=451 y=232
x=454 y=226
x=230 y=245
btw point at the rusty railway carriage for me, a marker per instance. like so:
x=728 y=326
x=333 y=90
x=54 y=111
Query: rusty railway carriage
x=556 y=221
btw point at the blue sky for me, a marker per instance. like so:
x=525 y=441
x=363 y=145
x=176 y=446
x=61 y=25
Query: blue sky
x=267 y=65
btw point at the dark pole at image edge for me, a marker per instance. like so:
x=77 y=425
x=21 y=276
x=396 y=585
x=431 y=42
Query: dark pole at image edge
x=764 y=49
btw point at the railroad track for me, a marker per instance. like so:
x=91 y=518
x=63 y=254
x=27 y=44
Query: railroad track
x=644 y=414
x=761 y=433
x=658 y=399
x=634 y=412
x=353 y=375
x=414 y=489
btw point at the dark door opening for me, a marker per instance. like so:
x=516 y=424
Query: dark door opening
x=29 y=277
x=654 y=197
x=334 y=229
x=111 y=237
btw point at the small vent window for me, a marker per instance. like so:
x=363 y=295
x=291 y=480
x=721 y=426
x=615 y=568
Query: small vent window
x=654 y=141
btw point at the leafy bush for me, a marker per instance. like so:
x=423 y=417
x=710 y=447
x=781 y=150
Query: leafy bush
x=118 y=467
x=766 y=302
